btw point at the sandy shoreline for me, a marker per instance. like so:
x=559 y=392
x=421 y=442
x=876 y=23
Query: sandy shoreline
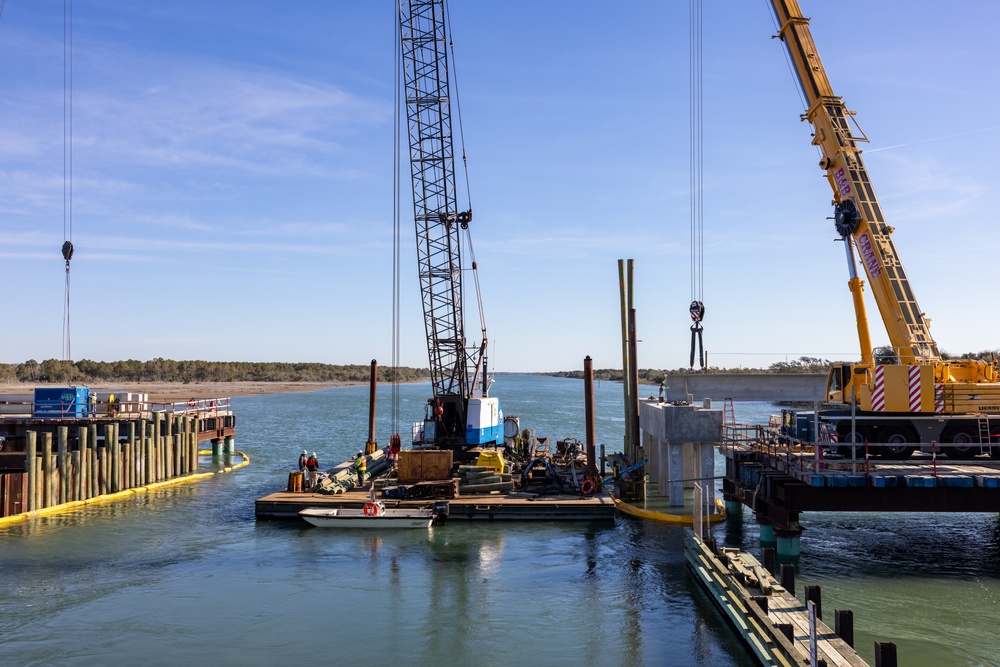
x=171 y=391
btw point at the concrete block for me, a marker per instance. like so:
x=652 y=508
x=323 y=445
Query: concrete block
x=959 y=481
x=684 y=423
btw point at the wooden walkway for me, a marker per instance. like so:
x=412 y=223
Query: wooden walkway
x=733 y=579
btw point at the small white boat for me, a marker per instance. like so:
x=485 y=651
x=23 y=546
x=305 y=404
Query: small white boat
x=372 y=515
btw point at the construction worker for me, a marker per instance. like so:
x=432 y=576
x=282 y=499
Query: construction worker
x=361 y=465
x=312 y=466
x=91 y=404
x=303 y=457
x=111 y=405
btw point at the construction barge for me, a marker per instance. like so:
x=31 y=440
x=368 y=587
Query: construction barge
x=465 y=492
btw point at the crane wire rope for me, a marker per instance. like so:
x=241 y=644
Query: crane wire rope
x=453 y=72
x=67 y=247
x=697 y=150
x=396 y=219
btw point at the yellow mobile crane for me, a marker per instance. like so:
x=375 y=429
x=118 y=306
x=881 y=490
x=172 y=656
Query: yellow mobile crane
x=906 y=395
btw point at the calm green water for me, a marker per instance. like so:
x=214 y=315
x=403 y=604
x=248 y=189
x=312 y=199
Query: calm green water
x=186 y=575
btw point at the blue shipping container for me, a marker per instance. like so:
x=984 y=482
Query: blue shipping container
x=55 y=402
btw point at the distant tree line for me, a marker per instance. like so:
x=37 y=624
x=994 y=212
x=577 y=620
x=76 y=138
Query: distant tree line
x=800 y=365
x=86 y=371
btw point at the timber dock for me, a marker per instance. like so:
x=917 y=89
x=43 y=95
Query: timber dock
x=80 y=454
x=778 y=628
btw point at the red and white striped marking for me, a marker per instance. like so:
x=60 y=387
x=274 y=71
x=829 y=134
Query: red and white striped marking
x=938 y=397
x=878 y=394
x=914 y=388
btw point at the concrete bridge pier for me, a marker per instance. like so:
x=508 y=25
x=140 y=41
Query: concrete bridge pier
x=216 y=447
x=229 y=446
x=679 y=442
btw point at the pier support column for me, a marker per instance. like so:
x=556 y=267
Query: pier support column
x=229 y=446
x=787 y=543
x=675 y=471
x=706 y=454
x=216 y=447
x=767 y=535
x=734 y=508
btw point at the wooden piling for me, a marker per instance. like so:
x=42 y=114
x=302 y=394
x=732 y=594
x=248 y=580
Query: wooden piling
x=814 y=594
x=770 y=560
x=92 y=472
x=843 y=622
x=47 y=470
x=147 y=453
x=62 y=438
x=788 y=577
x=885 y=654
x=31 y=444
x=74 y=480
x=81 y=470
x=111 y=447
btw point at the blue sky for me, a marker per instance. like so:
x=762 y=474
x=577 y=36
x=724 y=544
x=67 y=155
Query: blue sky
x=232 y=178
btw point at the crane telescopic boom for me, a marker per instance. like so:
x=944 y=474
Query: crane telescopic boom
x=907 y=396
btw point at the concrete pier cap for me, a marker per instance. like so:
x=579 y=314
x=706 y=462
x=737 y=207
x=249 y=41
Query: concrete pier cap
x=681 y=423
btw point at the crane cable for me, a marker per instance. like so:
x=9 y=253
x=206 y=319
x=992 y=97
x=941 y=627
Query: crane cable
x=67 y=246
x=394 y=378
x=697 y=307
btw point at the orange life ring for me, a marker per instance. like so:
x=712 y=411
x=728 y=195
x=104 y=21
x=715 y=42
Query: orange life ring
x=587 y=487
x=371 y=509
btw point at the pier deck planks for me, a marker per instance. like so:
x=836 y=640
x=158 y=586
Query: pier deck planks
x=732 y=577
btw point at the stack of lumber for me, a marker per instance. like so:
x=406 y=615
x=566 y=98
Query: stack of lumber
x=483 y=479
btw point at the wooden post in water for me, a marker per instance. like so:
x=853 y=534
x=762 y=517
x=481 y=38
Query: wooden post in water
x=788 y=577
x=30 y=444
x=885 y=654
x=157 y=468
x=115 y=461
x=588 y=399
x=633 y=380
x=63 y=445
x=81 y=472
x=147 y=452
x=75 y=467
x=130 y=457
x=93 y=479
x=843 y=625
x=814 y=594
x=195 y=425
x=47 y=476
x=372 y=445
x=624 y=290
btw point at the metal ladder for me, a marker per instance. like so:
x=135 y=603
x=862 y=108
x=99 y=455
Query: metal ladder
x=728 y=413
x=984 y=430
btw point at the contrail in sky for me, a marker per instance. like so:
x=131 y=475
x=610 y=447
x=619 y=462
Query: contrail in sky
x=924 y=141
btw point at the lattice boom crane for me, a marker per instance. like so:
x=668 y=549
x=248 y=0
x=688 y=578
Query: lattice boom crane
x=460 y=413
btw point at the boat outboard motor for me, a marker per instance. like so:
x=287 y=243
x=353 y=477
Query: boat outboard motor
x=440 y=509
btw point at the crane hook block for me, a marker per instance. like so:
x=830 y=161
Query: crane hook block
x=697 y=309
x=846 y=217
x=67 y=250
